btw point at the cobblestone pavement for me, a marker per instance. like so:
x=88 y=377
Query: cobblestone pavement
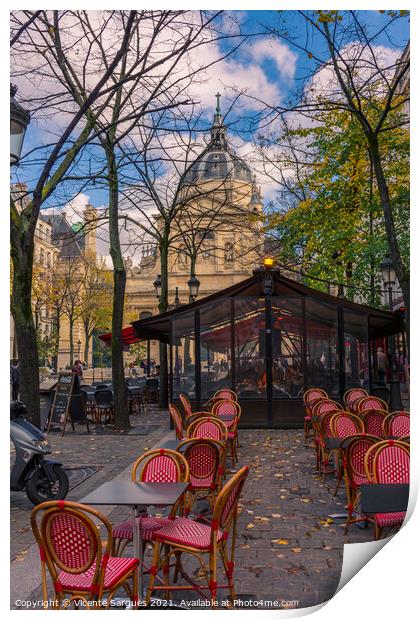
x=287 y=547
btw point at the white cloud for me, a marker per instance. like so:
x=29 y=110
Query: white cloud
x=281 y=54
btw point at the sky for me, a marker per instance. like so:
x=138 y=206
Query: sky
x=266 y=67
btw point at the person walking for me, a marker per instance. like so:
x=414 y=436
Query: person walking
x=14 y=378
x=382 y=364
x=77 y=369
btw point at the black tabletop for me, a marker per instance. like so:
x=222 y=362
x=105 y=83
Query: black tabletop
x=127 y=493
x=384 y=497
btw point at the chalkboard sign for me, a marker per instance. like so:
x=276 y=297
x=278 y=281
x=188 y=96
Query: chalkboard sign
x=63 y=408
x=45 y=399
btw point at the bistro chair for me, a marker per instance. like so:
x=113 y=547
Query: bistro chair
x=90 y=405
x=160 y=465
x=151 y=390
x=201 y=541
x=309 y=398
x=186 y=405
x=371 y=402
x=104 y=405
x=208 y=427
x=352 y=458
x=373 y=420
x=225 y=394
x=206 y=460
x=321 y=406
x=390 y=465
x=345 y=424
x=81 y=565
x=176 y=421
x=229 y=411
x=351 y=395
x=323 y=432
x=397 y=424
x=197 y=415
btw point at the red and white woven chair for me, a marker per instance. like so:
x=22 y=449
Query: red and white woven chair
x=345 y=424
x=390 y=465
x=208 y=427
x=229 y=412
x=201 y=541
x=186 y=405
x=353 y=460
x=371 y=402
x=225 y=394
x=309 y=398
x=206 y=460
x=81 y=566
x=161 y=466
x=351 y=395
x=320 y=407
x=397 y=424
x=177 y=421
x=373 y=420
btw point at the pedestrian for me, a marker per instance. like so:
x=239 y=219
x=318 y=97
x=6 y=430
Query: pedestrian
x=14 y=378
x=382 y=364
x=77 y=369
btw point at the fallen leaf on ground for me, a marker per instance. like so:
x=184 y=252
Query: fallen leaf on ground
x=280 y=541
x=297 y=549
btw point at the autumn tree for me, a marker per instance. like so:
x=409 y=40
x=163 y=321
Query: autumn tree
x=347 y=70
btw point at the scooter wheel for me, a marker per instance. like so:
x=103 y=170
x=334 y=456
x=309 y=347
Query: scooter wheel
x=39 y=489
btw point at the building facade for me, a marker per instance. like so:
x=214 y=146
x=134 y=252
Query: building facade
x=219 y=235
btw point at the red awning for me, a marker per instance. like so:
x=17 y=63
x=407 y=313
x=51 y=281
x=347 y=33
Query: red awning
x=128 y=336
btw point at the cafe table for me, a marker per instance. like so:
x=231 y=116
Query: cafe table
x=136 y=495
x=376 y=497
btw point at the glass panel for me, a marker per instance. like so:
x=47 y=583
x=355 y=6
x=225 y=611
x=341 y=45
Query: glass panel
x=356 y=350
x=251 y=376
x=322 y=361
x=183 y=373
x=287 y=330
x=215 y=347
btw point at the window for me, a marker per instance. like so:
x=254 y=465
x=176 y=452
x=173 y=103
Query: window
x=229 y=253
x=41 y=256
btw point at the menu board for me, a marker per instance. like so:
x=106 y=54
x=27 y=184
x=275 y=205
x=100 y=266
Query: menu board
x=64 y=406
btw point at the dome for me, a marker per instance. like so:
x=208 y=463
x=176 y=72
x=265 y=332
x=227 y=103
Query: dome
x=218 y=160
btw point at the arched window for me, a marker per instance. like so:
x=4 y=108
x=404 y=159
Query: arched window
x=228 y=252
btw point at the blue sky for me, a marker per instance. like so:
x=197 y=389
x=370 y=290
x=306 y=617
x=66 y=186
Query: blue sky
x=274 y=69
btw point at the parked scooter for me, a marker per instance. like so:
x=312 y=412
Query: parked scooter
x=42 y=479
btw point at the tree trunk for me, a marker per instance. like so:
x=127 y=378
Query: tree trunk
x=71 y=351
x=21 y=306
x=57 y=341
x=163 y=306
x=394 y=250
x=86 y=352
x=122 y=420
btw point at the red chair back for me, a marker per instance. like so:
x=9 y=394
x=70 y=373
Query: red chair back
x=208 y=428
x=313 y=394
x=186 y=405
x=373 y=420
x=391 y=463
x=353 y=394
x=225 y=394
x=225 y=509
x=224 y=409
x=176 y=420
x=371 y=402
x=354 y=458
x=204 y=458
x=345 y=425
x=397 y=424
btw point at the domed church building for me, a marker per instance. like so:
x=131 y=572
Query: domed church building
x=218 y=231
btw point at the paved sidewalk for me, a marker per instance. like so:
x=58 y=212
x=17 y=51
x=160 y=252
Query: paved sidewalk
x=287 y=548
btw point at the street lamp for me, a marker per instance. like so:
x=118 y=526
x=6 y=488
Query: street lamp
x=79 y=344
x=19 y=120
x=389 y=278
x=193 y=285
x=158 y=286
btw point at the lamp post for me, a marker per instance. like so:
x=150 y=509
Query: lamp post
x=389 y=278
x=194 y=286
x=158 y=286
x=79 y=344
x=19 y=121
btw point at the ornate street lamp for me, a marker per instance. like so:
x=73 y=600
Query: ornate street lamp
x=194 y=286
x=19 y=121
x=158 y=286
x=389 y=277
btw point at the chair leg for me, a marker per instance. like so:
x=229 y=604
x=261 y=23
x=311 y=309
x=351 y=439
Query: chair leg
x=153 y=572
x=229 y=574
x=213 y=579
